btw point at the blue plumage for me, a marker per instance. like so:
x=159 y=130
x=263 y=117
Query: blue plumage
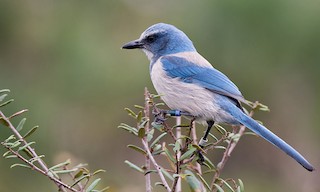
x=190 y=72
x=189 y=83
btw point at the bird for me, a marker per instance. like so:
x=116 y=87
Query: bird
x=187 y=82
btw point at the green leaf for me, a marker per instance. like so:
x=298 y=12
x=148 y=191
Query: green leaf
x=157 y=139
x=31 y=131
x=168 y=175
x=208 y=171
x=156 y=96
x=209 y=162
x=157 y=151
x=65 y=171
x=226 y=184
x=141 y=132
x=166 y=151
x=263 y=107
x=150 y=171
x=139 y=116
x=6 y=153
x=28 y=153
x=157 y=126
x=32 y=160
x=220 y=129
x=77 y=175
x=213 y=136
x=53 y=174
x=6 y=103
x=80 y=179
x=10 y=156
x=138 y=107
x=15 y=144
x=9 y=138
x=220 y=147
x=131 y=113
x=143 y=124
x=98 y=171
x=177 y=146
x=159 y=104
x=159 y=184
x=193 y=182
x=204 y=182
x=18 y=113
x=2 y=97
x=67 y=162
x=82 y=166
x=198 y=147
x=150 y=135
x=93 y=185
x=20 y=165
x=25 y=146
x=133 y=166
x=4 y=90
x=234 y=137
x=241 y=185
x=249 y=133
x=218 y=187
x=102 y=190
x=188 y=153
x=128 y=128
x=138 y=149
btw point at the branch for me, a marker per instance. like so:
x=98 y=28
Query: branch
x=147 y=128
x=34 y=154
x=231 y=146
x=158 y=168
x=177 y=180
x=44 y=170
x=32 y=166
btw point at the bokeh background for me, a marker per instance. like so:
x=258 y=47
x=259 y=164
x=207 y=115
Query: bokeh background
x=62 y=61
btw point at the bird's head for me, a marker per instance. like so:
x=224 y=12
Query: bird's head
x=161 y=39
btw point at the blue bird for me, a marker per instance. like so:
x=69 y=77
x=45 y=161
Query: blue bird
x=189 y=83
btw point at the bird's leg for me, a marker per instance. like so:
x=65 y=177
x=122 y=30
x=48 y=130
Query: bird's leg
x=204 y=140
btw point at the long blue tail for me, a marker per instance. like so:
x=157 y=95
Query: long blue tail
x=269 y=136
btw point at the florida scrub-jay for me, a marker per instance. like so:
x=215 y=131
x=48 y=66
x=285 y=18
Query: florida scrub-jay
x=189 y=83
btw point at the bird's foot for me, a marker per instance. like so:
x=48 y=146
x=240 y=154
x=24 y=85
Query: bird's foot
x=202 y=143
x=160 y=116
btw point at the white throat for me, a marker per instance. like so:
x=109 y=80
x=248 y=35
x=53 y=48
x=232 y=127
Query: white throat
x=148 y=53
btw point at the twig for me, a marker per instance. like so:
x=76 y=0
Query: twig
x=72 y=177
x=227 y=153
x=32 y=166
x=177 y=180
x=147 y=128
x=195 y=141
x=146 y=147
x=158 y=168
x=13 y=129
x=44 y=169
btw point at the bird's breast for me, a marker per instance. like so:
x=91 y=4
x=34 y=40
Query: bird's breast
x=183 y=96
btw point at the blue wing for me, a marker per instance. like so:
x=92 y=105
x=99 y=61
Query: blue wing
x=209 y=78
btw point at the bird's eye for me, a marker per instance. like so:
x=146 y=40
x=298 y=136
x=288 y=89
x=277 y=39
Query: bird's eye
x=150 y=38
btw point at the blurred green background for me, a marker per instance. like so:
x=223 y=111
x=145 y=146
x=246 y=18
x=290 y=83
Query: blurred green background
x=62 y=61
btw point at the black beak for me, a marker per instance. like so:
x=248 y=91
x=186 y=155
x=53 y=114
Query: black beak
x=133 y=45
